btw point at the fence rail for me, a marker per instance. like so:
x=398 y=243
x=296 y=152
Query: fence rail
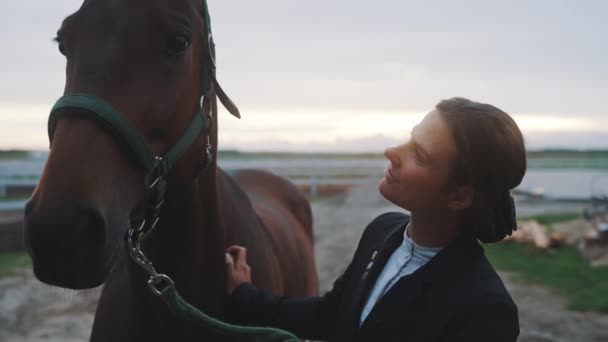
x=311 y=173
x=303 y=173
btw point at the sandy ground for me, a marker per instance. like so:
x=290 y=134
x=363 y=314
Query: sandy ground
x=30 y=311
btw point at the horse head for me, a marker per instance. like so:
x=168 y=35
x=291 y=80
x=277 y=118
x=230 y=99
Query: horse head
x=136 y=73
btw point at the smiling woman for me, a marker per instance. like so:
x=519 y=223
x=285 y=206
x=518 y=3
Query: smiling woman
x=423 y=277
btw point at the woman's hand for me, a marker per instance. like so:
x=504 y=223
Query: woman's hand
x=237 y=270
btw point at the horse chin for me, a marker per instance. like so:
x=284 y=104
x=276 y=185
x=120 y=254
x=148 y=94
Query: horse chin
x=87 y=274
x=74 y=279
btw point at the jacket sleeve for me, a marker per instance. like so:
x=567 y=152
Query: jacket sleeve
x=497 y=322
x=307 y=317
x=310 y=317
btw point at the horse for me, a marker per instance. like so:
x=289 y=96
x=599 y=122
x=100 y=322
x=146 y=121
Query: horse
x=132 y=168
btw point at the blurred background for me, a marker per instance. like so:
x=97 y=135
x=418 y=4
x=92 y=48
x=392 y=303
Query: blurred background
x=324 y=87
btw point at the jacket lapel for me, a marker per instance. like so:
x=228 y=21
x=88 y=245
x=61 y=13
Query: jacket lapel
x=380 y=254
x=397 y=300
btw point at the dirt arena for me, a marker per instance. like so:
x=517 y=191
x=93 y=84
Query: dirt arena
x=30 y=311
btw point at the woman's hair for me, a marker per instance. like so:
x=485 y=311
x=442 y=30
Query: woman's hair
x=491 y=158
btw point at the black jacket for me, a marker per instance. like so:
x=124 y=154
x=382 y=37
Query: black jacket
x=456 y=296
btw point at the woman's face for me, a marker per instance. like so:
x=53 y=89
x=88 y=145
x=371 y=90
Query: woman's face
x=416 y=175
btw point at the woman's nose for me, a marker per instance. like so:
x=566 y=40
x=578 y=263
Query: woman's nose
x=392 y=155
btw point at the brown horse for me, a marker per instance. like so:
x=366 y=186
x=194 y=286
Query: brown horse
x=152 y=60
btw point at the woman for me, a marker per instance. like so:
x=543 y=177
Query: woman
x=424 y=277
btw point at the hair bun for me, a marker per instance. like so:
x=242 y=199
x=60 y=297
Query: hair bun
x=505 y=221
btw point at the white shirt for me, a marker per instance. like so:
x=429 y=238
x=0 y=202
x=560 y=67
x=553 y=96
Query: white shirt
x=406 y=259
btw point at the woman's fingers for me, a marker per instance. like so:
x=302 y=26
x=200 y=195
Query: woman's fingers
x=229 y=262
x=239 y=255
x=233 y=249
x=238 y=271
x=236 y=259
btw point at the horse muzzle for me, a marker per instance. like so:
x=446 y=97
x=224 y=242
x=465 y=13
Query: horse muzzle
x=68 y=245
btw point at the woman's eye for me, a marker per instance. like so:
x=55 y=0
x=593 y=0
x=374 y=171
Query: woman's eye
x=177 y=45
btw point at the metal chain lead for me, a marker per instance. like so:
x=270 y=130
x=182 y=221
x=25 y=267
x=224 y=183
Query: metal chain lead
x=155 y=192
x=155 y=184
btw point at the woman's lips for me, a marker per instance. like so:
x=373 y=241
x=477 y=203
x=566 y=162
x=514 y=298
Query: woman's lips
x=389 y=177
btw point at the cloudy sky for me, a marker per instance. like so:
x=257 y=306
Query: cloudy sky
x=337 y=75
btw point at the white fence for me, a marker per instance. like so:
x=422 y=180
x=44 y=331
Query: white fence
x=7 y=181
x=300 y=171
x=551 y=183
x=315 y=172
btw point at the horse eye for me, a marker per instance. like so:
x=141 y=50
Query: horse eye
x=177 y=45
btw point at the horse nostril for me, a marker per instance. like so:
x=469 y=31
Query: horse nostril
x=68 y=244
x=94 y=226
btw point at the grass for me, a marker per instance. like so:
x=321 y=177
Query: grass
x=13 y=154
x=12 y=262
x=568 y=163
x=12 y=198
x=550 y=219
x=562 y=270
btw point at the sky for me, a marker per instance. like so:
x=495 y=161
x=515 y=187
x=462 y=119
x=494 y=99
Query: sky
x=337 y=75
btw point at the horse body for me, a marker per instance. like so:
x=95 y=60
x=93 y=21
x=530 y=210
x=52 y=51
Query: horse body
x=92 y=191
x=287 y=235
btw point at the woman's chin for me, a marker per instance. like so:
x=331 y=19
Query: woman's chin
x=385 y=189
x=382 y=185
x=391 y=193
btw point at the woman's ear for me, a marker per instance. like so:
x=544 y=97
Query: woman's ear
x=461 y=197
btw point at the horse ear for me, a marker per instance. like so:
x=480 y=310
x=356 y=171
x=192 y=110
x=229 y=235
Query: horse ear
x=226 y=101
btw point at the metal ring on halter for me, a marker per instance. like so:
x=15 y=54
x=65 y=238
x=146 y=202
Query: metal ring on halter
x=208 y=153
x=207 y=157
x=154 y=282
x=157 y=172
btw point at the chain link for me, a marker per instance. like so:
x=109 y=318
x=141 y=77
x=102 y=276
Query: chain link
x=155 y=280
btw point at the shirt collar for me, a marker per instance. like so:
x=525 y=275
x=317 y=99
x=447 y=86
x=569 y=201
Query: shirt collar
x=408 y=244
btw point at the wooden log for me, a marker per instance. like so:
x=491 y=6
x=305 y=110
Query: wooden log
x=539 y=235
x=557 y=238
